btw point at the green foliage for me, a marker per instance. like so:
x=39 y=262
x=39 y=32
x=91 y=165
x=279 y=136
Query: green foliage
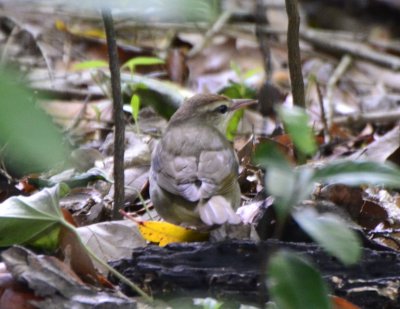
x=135 y=105
x=233 y=124
x=131 y=64
x=291 y=185
x=280 y=180
x=91 y=64
x=34 y=220
x=135 y=99
x=29 y=141
x=150 y=11
x=79 y=180
x=328 y=230
x=290 y=279
x=295 y=121
x=238 y=91
x=355 y=173
x=294 y=283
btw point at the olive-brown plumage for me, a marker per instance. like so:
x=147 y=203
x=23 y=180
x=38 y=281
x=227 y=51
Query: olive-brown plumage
x=194 y=169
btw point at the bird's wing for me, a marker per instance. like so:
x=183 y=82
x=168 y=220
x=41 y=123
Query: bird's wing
x=194 y=171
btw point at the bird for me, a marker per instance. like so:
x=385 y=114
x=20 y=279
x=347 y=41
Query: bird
x=194 y=168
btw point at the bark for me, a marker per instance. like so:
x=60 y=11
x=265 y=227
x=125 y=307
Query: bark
x=231 y=271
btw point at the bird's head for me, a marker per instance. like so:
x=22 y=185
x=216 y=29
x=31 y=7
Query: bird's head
x=209 y=109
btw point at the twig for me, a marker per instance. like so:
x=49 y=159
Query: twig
x=333 y=35
x=216 y=27
x=294 y=60
x=229 y=29
x=79 y=117
x=10 y=40
x=381 y=117
x=146 y=208
x=261 y=21
x=66 y=94
x=119 y=122
x=327 y=135
x=20 y=26
x=333 y=80
x=355 y=49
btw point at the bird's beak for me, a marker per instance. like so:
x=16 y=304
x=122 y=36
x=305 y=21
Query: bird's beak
x=240 y=103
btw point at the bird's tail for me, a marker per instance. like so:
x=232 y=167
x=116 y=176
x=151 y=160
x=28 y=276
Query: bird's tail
x=217 y=211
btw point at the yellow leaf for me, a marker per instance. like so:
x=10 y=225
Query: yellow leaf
x=165 y=233
x=60 y=25
x=78 y=31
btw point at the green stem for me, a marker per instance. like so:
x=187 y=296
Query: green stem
x=140 y=196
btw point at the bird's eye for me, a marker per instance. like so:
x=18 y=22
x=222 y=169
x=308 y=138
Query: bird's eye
x=222 y=109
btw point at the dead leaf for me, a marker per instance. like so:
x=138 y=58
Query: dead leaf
x=177 y=68
x=341 y=303
x=380 y=149
x=18 y=296
x=77 y=256
x=346 y=197
x=56 y=283
x=372 y=214
x=111 y=240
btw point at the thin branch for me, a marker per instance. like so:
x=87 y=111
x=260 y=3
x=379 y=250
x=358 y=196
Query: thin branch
x=376 y=117
x=358 y=50
x=216 y=27
x=119 y=122
x=327 y=135
x=333 y=80
x=294 y=60
x=263 y=42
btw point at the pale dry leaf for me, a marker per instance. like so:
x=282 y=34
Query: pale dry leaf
x=380 y=149
x=112 y=240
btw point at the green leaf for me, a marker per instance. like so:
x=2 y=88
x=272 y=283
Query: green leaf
x=35 y=219
x=280 y=178
x=358 y=173
x=235 y=67
x=233 y=124
x=135 y=105
x=268 y=155
x=132 y=63
x=238 y=91
x=332 y=233
x=294 y=284
x=28 y=220
x=91 y=64
x=29 y=140
x=295 y=120
x=71 y=181
x=252 y=72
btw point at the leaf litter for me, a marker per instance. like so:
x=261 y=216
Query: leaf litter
x=364 y=88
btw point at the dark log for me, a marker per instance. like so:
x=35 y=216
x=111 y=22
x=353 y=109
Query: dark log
x=231 y=270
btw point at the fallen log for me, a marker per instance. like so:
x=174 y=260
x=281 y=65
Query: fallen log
x=231 y=270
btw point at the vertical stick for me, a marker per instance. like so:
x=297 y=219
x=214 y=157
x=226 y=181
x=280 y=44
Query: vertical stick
x=118 y=114
x=294 y=60
x=263 y=38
